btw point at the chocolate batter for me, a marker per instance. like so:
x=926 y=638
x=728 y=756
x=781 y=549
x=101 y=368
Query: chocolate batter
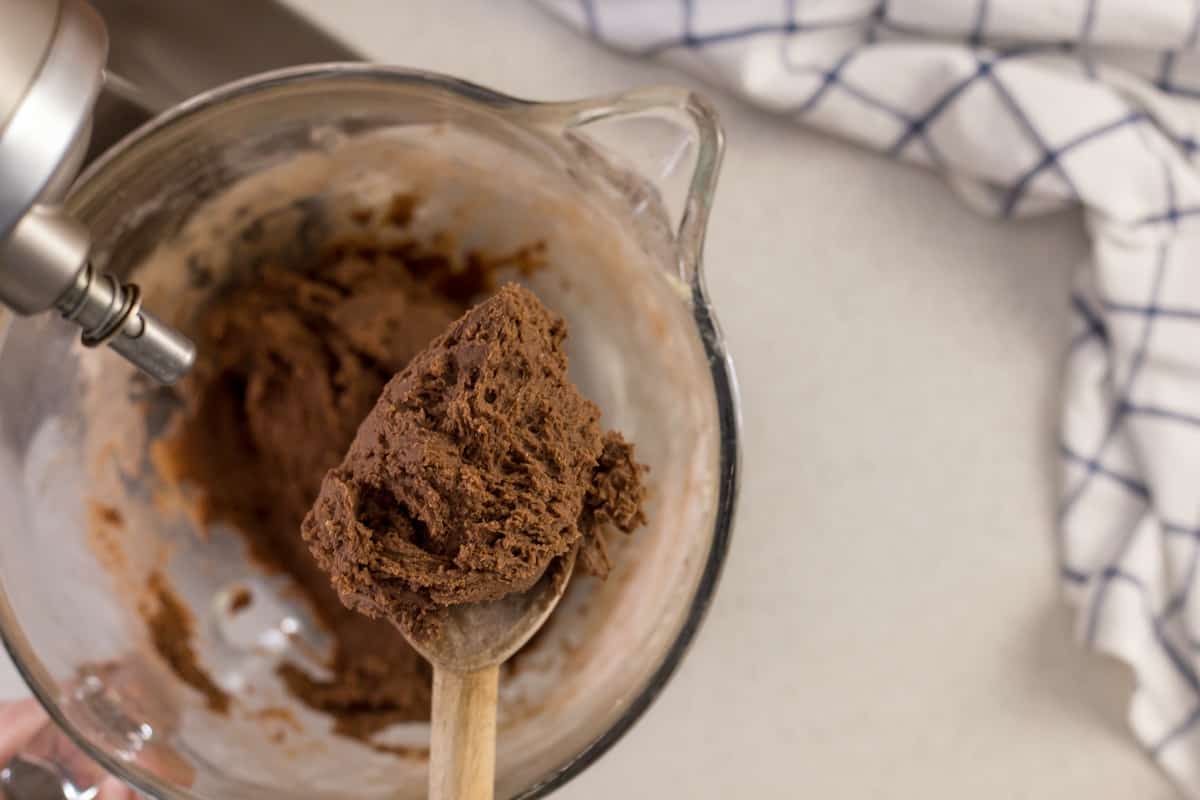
x=170 y=625
x=290 y=362
x=480 y=464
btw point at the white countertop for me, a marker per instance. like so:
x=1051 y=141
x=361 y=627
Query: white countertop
x=888 y=624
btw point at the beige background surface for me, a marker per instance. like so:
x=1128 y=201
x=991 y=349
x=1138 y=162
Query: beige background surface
x=888 y=624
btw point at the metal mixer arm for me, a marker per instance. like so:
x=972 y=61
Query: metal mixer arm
x=52 y=55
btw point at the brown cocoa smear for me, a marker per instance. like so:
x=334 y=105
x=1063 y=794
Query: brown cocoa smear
x=171 y=626
x=291 y=361
x=480 y=464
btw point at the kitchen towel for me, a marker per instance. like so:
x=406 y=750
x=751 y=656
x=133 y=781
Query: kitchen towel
x=1025 y=107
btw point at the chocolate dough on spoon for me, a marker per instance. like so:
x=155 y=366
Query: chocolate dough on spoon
x=480 y=465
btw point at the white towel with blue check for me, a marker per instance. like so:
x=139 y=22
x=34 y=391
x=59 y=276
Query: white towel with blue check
x=1028 y=106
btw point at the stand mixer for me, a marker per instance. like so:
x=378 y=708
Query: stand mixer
x=52 y=55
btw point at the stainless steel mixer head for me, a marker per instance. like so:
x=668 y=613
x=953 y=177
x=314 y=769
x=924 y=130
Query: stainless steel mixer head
x=52 y=55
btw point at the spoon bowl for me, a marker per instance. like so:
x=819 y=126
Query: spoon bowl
x=474 y=636
x=466 y=644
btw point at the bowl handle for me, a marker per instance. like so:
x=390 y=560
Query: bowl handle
x=668 y=136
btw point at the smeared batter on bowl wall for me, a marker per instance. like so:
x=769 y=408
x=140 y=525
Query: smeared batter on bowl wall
x=171 y=628
x=290 y=362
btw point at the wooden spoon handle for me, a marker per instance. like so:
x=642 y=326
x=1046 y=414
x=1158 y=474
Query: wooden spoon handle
x=462 y=760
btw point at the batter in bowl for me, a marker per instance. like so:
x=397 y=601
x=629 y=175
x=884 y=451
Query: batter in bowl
x=291 y=362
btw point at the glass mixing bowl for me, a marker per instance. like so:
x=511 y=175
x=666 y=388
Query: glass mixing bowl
x=616 y=191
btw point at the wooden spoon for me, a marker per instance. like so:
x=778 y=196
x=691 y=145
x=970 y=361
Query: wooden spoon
x=467 y=645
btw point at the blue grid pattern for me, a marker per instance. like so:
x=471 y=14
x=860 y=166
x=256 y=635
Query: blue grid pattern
x=1129 y=518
